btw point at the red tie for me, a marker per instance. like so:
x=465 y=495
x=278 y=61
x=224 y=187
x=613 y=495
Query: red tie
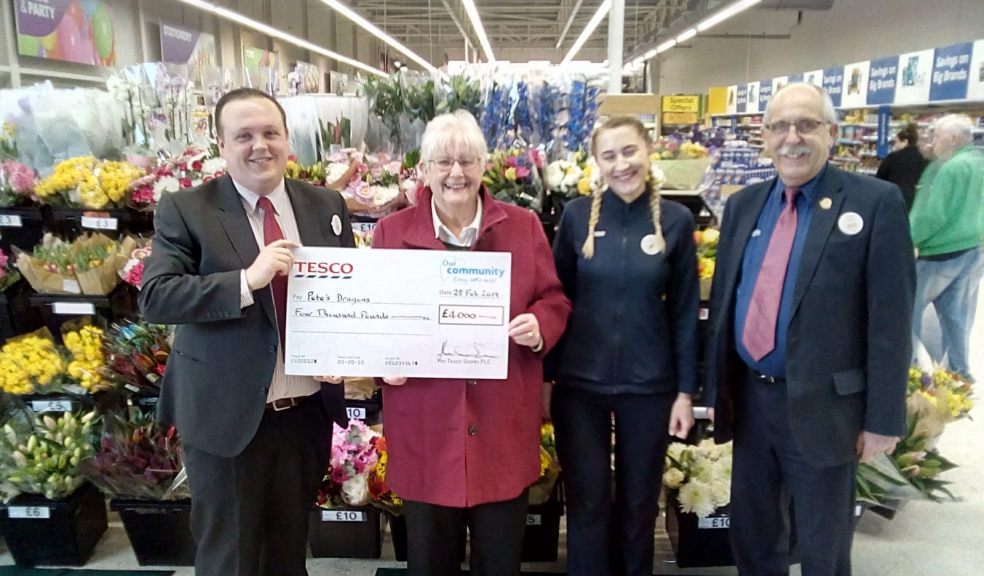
x=272 y=233
x=759 y=335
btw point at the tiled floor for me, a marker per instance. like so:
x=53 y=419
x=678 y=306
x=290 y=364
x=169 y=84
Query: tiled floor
x=924 y=539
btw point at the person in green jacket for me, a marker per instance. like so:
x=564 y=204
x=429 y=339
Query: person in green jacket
x=947 y=222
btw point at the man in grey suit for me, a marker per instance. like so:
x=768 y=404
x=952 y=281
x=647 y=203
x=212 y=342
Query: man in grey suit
x=809 y=347
x=256 y=440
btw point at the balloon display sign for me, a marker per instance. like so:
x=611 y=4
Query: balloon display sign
x=71 y=30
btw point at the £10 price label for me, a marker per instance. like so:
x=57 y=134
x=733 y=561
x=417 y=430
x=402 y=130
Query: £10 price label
x=714 y=523
x=356 y=413
x=342 y=516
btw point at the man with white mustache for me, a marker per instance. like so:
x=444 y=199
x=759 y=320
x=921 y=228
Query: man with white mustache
x=809 y=346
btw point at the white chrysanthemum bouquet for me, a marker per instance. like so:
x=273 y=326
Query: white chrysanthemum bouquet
x=701 y=474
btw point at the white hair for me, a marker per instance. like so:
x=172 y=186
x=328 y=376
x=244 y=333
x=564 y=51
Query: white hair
x=829 y=114
x=959 y=125
x=455 y=128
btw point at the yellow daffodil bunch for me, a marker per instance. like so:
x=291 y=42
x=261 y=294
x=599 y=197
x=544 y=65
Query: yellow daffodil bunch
x=29 y=364
x=542 y=489
x=86 y=346
x=66 y=176
x=114 y=183
x=707 y=243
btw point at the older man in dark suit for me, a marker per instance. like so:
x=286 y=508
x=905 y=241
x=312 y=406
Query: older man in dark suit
x=809 y=346
x=256 y=440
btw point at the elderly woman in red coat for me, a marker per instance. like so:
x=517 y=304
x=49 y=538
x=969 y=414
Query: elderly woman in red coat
x=464 y=452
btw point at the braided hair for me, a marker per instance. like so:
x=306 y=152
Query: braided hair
x=653 y=182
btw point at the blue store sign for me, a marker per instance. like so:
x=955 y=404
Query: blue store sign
x=951 y=70
x=833 y=83
x=882 y=76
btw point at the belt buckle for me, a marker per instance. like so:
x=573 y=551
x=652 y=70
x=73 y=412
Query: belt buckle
x=281 y=404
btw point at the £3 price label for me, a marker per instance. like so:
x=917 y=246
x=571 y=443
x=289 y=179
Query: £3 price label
x=99 y=223
x=29 y=512
x=342 y=516
x=11 y=221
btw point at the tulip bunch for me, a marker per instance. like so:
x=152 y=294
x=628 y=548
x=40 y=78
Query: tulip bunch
x=44 y=458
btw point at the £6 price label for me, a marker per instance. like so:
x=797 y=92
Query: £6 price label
x=29 y=512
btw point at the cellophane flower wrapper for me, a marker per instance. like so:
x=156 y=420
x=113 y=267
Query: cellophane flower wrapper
x=137 y=458
x=33 y=364
x=136 y=355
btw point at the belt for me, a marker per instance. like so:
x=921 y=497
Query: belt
x=281 y=404
x=764 y=378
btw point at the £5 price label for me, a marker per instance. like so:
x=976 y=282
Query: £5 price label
x=41 y=406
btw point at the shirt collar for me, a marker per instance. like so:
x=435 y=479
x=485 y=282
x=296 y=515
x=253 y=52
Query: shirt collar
x=468 y=234
x=808 y=189
x=278 y=197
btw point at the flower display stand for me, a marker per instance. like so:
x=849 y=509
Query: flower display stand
x=350 y=532
x=16 y=314
x=698 y=542
x=54 y=532
x=22 y=226
x=69 y=223
x=159 y=530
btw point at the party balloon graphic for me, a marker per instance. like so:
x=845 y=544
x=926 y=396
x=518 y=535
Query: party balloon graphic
x=48 y=42
x=70 y=42
x=74 y=11
x=102 y=31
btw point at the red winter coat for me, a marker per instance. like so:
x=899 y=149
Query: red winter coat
x=463 y=443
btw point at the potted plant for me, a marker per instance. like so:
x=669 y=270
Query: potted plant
x=137 y=465
x=698 y=482
x=344 y=525
x=53 y=516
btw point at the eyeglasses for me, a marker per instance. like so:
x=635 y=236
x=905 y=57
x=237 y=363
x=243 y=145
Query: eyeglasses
x=803 y=126
x=445 y=164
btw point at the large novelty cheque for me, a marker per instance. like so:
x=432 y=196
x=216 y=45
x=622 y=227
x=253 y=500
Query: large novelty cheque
x=418 y=313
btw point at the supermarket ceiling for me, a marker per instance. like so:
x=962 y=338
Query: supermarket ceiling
x=522 y=30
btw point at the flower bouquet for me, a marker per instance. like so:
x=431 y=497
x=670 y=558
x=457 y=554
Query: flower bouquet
x=17 y=183
x=43 y=455
x=374 y=184
x=85 y=345
x=137 y=458
x=88 y=265
x=132 y=270
x=84 y=182
x=353 y=457
x=9 y=275
x=187 y=170
x=683 y=162
x=32 y=363
x=136 y=353
x=913 y=470
x=707 y=243
x=513 y=176
x=381 y=495
x=542 y=489
x=701 y=474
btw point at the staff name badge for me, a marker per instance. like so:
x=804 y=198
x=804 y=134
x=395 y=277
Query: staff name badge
x=414 y=313
x=336 y=225
x=650 y=244
x=850 y=223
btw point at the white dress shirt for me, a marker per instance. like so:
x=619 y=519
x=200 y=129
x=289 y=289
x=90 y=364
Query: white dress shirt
x=468 y=234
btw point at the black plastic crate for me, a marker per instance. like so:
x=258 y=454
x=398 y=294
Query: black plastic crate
x=542 y=532
x=16 y=314
x=22 y=227
x=70 y=223
x=350 y=532
x=159 y=530
x=368 y=411
x=698 y=542
x=398 y=535
x=54 y=532
x=56 y=309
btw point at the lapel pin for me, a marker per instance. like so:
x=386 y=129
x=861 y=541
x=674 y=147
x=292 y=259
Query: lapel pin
x=826 y=203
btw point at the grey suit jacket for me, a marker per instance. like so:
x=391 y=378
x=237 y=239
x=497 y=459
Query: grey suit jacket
x=222 y=361
x=849 y=341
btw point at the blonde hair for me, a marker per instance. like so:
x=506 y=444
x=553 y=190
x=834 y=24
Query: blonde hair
x=652 y=185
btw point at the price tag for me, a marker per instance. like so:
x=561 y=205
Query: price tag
x=73 y=308
x=534 y=520
x=71 y=286
x=95 y=223
x=11 y=221
x=40 y=406
x=29 y=512
x=714 y=523
x=342 y=516
x=356 y=413
x=858 y=510
x=703 y=314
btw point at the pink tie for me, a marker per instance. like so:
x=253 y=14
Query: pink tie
x=759 y=335
x=272 y=233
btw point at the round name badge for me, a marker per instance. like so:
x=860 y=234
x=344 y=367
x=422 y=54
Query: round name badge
x=650 y=244
x=850 y=223
x=336 y=225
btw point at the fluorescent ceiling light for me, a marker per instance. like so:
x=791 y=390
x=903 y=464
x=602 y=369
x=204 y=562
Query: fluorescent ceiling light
x=372 y=29
x=651 y=54
x=476 y=23
x=728 y=12
x=272 y=32
x=592 y=24
x=666 y=45
x=686 y=35
x=570 y=20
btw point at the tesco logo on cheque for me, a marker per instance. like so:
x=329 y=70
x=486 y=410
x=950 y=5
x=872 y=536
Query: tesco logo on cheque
x=331 y=270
